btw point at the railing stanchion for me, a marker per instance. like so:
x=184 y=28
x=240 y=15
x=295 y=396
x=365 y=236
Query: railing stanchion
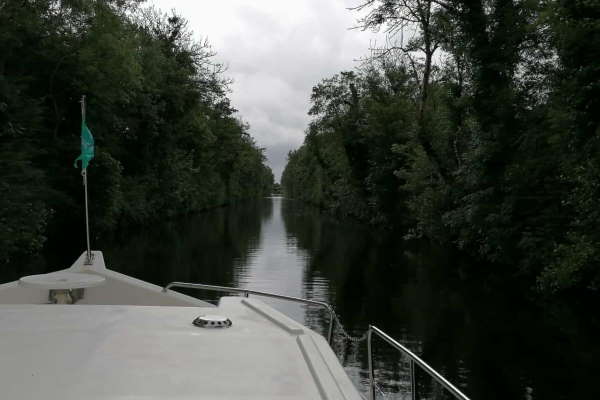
x=415 y=360
x=413 y=382
x=370 y=358
x=331 y=325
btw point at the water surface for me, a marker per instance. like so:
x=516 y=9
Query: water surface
x=486 y=339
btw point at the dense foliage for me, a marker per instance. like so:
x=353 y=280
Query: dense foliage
x=167 y=139
x=477 y=125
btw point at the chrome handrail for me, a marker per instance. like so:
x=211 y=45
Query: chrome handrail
x=414 y=359
x=247 y=292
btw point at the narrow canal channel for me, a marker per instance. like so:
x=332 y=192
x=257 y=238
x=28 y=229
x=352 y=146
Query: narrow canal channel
x=485 y=339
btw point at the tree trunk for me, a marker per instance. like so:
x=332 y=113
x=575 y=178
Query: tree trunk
x=422 y=134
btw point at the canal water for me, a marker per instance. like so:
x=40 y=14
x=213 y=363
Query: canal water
x=481 y=335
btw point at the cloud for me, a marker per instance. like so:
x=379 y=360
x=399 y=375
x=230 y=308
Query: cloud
x=276 y=51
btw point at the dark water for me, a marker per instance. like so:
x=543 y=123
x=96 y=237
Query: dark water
x=485 y=338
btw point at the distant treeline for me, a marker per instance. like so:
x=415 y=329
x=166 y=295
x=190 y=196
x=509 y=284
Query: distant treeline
x=167 y=139
x=477 y=125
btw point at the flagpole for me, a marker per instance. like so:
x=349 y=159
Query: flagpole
x=89 y=259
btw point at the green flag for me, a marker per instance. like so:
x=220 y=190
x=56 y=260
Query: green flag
x=87 y=146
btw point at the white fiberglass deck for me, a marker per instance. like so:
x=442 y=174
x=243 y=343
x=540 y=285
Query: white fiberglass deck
x=107 y=351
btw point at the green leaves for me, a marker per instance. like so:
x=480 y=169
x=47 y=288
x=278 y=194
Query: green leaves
x=166 y=137
x=495 y=149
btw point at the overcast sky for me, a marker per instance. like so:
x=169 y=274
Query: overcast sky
x=275 y=52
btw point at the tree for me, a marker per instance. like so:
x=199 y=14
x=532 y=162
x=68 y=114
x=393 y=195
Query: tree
x=481 y=128
x=167 y=140
x=415 y=18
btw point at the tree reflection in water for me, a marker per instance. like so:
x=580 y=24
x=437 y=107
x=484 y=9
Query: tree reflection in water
x=481 y=335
